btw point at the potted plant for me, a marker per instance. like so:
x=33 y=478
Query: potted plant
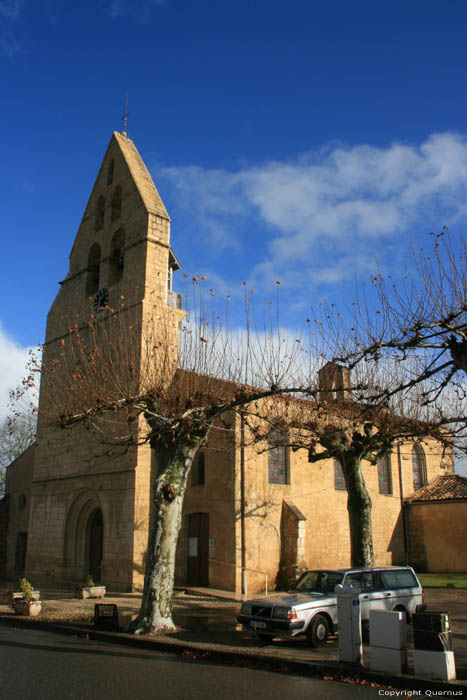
x=27 y=603
x=12 y=595
x=89 y=589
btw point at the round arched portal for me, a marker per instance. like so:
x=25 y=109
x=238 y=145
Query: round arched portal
x=83 y=538
x=94 y=540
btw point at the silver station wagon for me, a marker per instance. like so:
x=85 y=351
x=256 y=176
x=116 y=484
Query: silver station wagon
x=310 y=608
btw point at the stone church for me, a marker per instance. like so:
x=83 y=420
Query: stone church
x=71 y=509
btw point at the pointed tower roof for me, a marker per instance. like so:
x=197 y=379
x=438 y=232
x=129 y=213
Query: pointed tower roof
x=137 y=183
x=141 y=175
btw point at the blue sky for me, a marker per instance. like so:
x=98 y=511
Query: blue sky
x=303 y=141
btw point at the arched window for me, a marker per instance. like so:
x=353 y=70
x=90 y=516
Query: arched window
x=116 y=203
x=110 y=172
x=100 y=209
x=418 y=467
x=339 y=478
x=117 y=257
x=94 y=263
x=384 y=475
x=278 y=458
x=197 y=470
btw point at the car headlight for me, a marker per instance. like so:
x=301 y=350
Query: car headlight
x=246 y=608
x=284 y=614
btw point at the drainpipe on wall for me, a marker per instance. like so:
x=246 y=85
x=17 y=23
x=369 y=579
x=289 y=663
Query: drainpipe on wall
x=401 y=491
x=242 y=501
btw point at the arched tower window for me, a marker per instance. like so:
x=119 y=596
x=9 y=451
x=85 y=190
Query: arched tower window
x=110 y=172
x=418 y=467
x=116 y=203
x=384 y=475
x=117 y=257
x=100 y=210
x=94 y=263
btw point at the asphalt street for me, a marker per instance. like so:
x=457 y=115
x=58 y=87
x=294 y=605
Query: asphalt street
x=36 y=665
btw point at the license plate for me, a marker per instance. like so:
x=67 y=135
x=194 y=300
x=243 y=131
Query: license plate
x=258 y=625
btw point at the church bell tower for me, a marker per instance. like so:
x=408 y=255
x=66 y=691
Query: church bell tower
x=90 y=505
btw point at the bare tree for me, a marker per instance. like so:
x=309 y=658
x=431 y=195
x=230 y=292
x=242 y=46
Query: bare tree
x=421 y=322
x=16 y=435
x=132 y=379
x=334 y=425
x=18 y=429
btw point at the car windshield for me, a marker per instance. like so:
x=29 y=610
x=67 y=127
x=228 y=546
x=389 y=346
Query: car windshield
x=319 y=581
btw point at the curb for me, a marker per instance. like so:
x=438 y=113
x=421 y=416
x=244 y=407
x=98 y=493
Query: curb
x=330 y=670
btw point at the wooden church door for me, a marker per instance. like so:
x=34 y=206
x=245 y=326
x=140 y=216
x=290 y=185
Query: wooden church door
x=95 y=539
x=198 y=549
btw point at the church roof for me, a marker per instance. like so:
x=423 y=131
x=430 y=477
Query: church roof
x=141 y=176
x=450 y=487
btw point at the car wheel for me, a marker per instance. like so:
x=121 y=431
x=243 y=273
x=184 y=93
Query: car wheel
x=317 y=631
x=265 y=637
x=400 y=608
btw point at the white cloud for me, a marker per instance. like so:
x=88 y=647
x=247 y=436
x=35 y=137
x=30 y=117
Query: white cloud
x=10 y=47
x=329 y=212
x=13 y=358
x=10 y=8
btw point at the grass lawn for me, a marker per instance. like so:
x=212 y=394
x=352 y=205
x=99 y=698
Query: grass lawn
x=443 y=580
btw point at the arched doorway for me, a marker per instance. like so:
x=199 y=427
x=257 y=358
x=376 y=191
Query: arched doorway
x=94 y=540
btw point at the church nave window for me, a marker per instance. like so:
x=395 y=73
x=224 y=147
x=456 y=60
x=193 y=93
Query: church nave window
x=278 y=459
x=418 y=467
x=198 y=470
x=339 y=478
x=384 y=475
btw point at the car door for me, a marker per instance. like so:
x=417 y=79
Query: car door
x=374 y=596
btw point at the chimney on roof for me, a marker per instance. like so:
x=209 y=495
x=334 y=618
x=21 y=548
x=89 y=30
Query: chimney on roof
x=334 y=382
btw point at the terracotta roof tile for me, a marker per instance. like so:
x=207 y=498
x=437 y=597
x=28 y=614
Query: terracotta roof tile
x=451 y=487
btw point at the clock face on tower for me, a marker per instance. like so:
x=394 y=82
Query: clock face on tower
x=101 y=299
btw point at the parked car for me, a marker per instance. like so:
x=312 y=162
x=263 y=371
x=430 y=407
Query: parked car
x=310 y=608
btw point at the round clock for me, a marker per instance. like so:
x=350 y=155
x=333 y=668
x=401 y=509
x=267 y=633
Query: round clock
x=101 y=299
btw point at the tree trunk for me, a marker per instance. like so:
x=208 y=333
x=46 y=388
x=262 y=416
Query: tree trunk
x=359 y=510
x=174 y=462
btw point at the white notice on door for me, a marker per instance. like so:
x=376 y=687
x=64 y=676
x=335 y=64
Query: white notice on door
x=192 y=546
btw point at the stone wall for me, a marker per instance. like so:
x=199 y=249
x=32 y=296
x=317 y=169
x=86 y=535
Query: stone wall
x=312 y=490
x=18 y=489
x=437 y=534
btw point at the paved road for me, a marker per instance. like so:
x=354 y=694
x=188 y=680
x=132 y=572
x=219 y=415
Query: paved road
x=37 y=665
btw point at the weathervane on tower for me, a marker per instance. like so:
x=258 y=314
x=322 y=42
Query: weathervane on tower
x=125 y=116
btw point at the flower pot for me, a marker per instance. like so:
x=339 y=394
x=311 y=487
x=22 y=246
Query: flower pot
x=90 y=592
x=31 y=607
x=19 y=595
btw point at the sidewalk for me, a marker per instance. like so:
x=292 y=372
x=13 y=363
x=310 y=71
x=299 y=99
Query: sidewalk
x=207 y=629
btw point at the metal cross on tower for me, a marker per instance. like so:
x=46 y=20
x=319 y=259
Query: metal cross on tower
x=125 y=116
